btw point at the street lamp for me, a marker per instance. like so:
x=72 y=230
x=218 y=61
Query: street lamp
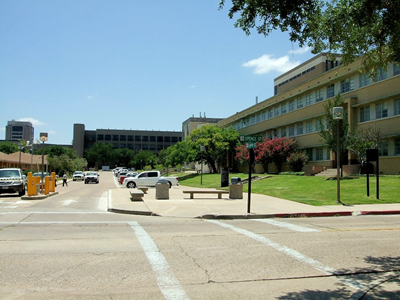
x=43 y=138
x=338 y=115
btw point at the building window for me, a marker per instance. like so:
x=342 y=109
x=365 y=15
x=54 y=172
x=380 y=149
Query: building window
x=396 y=69
x=309 y=152
x=397 y=107
x=107 y=137
x=299 y=128
x=270 y=115
x=330 y=91
x=283 y=131
x=291 y=105
x=167 y=139
x=174 y=139
x=364 y=114
x=258 y=118
x=122 y=137
x=152 y=138
x=309 y=99
x=381 y=110
x=291 y=130
x=397 y=146
x=283 y=108
x=347 y=85
x=138 y=138
x=100 y=137
x=319 y=155
x=276 y=111
x=115 y=137
x=264 y=115
x=309 y=126
x=364 y=79
x=383 y=148
x=381 y=75
x=319 y=96
x=300 y=102
x=130 y=138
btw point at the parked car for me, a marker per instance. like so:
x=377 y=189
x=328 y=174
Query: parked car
x=148 y=178
x=91 y=177
x=40 y=174
x=78 y=175
x=129 y=174
x=12 y=181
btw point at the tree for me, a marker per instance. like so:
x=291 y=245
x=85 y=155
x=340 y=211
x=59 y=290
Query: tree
x=217 y=142
x=263 y=154
x=243 y=156
x=361 y=139
x=297 y=160
x=124 y=157
x=328 y=126
x=100 y=152
x=353 y=28
x=144 y=158
x=279 y=150
x=8 y=147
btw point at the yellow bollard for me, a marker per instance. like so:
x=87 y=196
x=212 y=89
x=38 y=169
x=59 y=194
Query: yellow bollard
x=31 y=185
x=46 y=185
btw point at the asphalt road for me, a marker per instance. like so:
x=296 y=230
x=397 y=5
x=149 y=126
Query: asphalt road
x=69 y=247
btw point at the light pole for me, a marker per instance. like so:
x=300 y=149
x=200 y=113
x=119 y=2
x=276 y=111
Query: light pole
x=201 y=176
x=338 y=116
x=43 y=138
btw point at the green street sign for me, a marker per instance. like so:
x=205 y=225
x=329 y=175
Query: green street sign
x=250 y=140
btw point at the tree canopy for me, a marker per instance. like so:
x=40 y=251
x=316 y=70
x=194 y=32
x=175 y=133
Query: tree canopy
x=352 y=28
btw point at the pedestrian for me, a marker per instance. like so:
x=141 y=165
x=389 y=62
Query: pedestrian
x=65 y=179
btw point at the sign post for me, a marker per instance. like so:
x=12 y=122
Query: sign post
x=251 y=144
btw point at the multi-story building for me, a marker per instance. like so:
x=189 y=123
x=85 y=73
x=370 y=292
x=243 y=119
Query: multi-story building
x=19 y=130
x=196 y=122
x=137 y=140
x=298 y=104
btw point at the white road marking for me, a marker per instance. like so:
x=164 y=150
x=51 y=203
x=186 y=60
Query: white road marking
x=290 y=252
x=68 y=202
x=287 y=225
x=103 y=202
x=168 y=284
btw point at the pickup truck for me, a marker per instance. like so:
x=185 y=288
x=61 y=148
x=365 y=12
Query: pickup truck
x=148 y=178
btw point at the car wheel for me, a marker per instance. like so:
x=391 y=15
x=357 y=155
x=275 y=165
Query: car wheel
x=21 y=193
x=170 y=184
x=131 y=185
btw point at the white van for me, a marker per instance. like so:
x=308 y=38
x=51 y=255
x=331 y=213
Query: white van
x=12 y=181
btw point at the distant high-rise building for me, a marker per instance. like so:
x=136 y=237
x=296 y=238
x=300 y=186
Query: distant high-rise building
x=19 y=130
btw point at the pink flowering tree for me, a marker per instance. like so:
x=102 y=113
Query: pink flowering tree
x=278 y=150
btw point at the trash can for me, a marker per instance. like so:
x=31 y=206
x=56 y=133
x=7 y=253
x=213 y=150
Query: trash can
x=236 y=188
x=162 y=189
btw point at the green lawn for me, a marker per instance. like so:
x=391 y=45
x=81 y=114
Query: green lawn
x=312 y=190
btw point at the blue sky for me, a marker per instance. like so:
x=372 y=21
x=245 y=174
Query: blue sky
x=130 y=64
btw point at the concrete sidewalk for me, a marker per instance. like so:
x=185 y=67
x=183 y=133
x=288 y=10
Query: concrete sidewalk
x=209 y=206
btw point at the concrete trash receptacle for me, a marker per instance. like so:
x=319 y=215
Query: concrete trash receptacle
x=236 y=188
x=162 y=189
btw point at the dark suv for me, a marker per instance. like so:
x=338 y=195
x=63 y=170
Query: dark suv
x=12 y=181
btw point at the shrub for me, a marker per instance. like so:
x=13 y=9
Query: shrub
x=297 y=160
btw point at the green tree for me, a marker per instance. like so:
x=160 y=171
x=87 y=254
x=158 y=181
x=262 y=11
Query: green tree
x=328 y=128
x=8 y=147
x=297 y=160
x=144 y=158
x=353 y=28
x=124 y=157
x=218 y=143
x=100 y=152
x=361 y=139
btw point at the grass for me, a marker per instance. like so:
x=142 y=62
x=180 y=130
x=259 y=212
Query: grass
x=312 y=190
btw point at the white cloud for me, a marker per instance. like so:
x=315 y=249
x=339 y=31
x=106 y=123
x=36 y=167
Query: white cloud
x=32 y=120
x=300 y=50
x=267 y=63
x=192 y=87
x=90 y=97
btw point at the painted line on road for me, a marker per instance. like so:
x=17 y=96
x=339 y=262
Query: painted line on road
x=290 y=252
x=167 y=282
x=287 y=225
x=103 y=202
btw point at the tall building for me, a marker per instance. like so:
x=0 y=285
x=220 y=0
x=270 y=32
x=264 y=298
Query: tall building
x=298 y=104
x=137 y=140
x=19 y=130
x=196 y=122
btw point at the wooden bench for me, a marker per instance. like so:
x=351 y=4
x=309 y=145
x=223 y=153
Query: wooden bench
x=206 y=192
x=143 y=189
x=136 y=195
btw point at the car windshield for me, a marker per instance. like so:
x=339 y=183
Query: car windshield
x=9 y=173
x=78 y=173
x=91 y=173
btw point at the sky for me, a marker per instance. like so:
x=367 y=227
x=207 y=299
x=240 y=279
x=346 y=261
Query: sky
x=131 y=64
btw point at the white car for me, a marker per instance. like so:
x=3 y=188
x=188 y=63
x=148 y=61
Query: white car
x=78 y=175
x=91 y=177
